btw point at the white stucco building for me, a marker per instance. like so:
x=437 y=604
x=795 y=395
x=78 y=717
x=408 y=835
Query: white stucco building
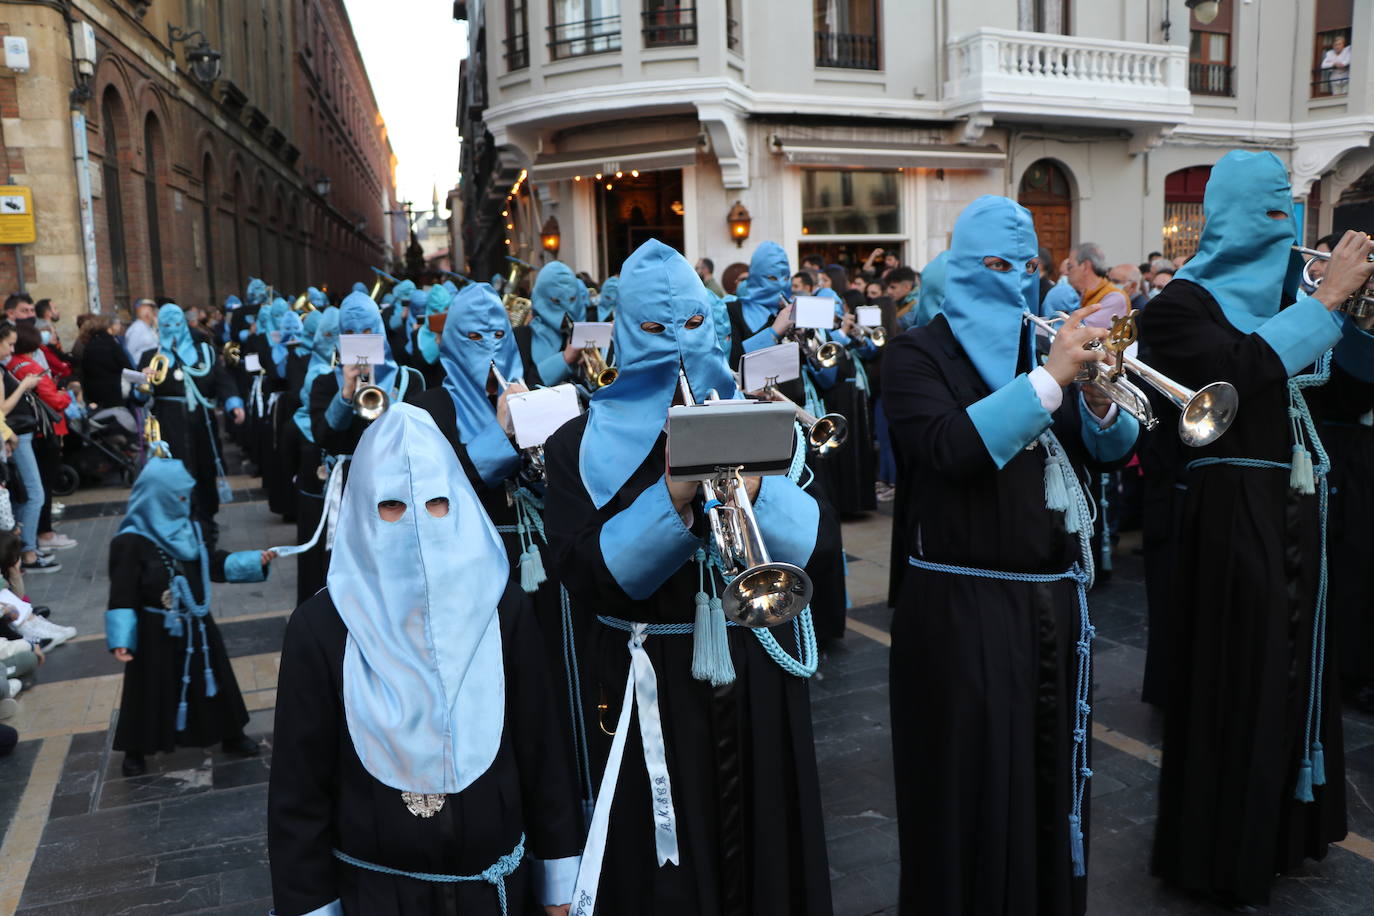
x=845 y=124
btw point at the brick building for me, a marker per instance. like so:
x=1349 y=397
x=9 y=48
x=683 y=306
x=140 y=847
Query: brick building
x=279 y=168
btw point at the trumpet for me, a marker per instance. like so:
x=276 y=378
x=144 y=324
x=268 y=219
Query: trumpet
x=824 y=434
x=1361 y=302
x=232 y=353
x=1204 y=415
x=862 y=334
x=382 y=285
x=303 y=306
x=594 y=367
x=760 y=593
x=158 y=365
x=534 y=455
x=518 y=308
x=819 y=355
x=369 y=401
x=152 y=438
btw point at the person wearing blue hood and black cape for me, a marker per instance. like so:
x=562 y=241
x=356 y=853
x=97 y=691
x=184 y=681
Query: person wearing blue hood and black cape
x=312 y=470
x=179 y=689
x=415 y=754
x=991 y=640
x=559 y=300
x=290 y=357
x=1253 y=779
x=715 y=719
x=430 y=309
x=184 y=406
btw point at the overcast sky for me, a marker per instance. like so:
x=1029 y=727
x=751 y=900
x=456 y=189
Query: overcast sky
x=411 y=49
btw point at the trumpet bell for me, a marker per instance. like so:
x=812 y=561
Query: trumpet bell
x=828 y=354
x=878 y=336
x=828 y=433
x=370 y=402
x=607 y=376
x=1208 y=414
x=767 y=595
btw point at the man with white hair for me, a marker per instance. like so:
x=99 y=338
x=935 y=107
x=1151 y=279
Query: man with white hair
x=1087 y=273
x=141 y=335
x=1127 y=277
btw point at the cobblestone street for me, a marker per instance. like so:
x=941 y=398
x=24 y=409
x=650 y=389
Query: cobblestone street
x=189 y=836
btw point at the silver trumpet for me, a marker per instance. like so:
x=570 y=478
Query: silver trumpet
x=533 y=466
x=369 y=401
x=1204 y=415
x=819 y=355
x=862 y=334
x=824 y=434
x=1361 y=302
x=761 y=593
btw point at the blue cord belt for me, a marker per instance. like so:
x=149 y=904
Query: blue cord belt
x=495 y=874
x=1082 y=709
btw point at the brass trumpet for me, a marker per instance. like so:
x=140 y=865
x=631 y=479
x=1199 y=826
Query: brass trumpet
x=159 y=365
x=1204 y=415
x=594 y=367
x=824 y=434
x=518 y=308
x=303 y=306
x=369 y=401
x=232 y=353
x=1361 y=302
x=382 y=285
x=761 y=593
x=152 y=438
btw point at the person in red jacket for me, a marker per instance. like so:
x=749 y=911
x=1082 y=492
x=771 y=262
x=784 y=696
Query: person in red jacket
x=48 y=439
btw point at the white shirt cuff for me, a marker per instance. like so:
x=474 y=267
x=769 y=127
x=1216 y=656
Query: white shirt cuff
x=1046 y=389
x=1102 y=422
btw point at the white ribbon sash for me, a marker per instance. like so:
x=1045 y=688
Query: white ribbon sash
x=641 y=690
x=333 y=497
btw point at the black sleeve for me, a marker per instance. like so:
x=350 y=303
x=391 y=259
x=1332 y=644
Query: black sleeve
x=304 y=778
x=552 y=809
x=126 y=563
x=1068 y=429
x=221 y=385
x=333 y=441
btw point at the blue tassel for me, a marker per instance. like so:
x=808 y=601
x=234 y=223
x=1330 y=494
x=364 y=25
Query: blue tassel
x=1301 y=479
x=532 y=573
x=1303 y=792
x=710 y=646
x=1076 y=846
x=1056 y=494
x=211 y=688
x=181 y=716
x=1318 y=764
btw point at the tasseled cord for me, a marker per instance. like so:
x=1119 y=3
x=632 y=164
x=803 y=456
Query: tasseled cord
x=1059 y=476
x=532 y=574
x=1300 y=478
x=710 y=646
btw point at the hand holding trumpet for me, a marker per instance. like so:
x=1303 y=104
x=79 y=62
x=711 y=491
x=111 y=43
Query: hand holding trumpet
x=1348 y=270
x=1070 y=350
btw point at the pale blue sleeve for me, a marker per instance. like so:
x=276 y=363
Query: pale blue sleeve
x=333 y=908
x=646 y=542
x=339 y=413
x=1009 y=419
x=553 y=369
x=1301 y=333
x=121 y=629
x=764 y=338
x=554 y=879
x=245 y=566
x=493 y=455
x=233 y=404
x=1107 y=443
x=788 y=520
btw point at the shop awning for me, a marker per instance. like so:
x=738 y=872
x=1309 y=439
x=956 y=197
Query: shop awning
x=887 y=155
x=643 y=157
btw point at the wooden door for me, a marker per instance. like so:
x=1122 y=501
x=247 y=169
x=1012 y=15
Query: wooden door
x=1054 y=228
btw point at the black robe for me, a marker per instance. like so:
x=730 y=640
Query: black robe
x=741 y=758
x=282 y=456
x=322 y=798
x=193 y=435
x=152 y=681
x=852 y=467
x=1244 y=587
x=983 y=671
x=1350 y=445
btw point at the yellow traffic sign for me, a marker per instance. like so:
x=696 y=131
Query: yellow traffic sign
x=16 y=216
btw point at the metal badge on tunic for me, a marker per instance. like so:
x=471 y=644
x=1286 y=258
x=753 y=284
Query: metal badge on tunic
x=176 y=374
x=423 y=805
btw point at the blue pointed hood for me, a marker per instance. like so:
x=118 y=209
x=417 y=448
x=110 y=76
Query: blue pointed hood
x=316 y=297
x=400 y=294
x=256 y=293
x=232 y=302
x=160 y=508
x=174 y=336
x=557 y=293
x=309 y=323
x=610 y=297
x=984 y=306
x=1244 y=258
x=360 y=315
x=359 y=287
x=656 y=284
x=423 y=673
x=436 y=302
x=323 y=345
x=931 y=298
x=770 y=277
x=467 y=362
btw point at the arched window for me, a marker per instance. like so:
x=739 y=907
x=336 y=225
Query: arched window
x=152 y=160
x=111 y=126
x=1183 y=209
x=1045 y=193
x=208 y=223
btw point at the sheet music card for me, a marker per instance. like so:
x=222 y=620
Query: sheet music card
x=870 y=316
x=538 y=414
x=814 y=312
x=252 y=363
x=592 y=333
x=358 y=348
x=781 y=363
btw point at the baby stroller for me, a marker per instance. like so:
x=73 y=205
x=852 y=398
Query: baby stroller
x=97 y=445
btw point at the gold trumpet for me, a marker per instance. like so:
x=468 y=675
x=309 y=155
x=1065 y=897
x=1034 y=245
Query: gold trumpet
x=382 y=285
x=158 y=365
x=232 y=353
x=303 y=306
x=1204 y=415
x=1361 y=302
x=594 y=367
x=824 y=434
x=519 y=309
x=152 y=438
x=761 y=593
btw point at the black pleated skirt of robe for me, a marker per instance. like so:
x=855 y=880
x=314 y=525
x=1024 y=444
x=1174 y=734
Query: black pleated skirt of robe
x=321 y=796
x=152 y=681
x=1350 y=445
x=852 y=468
x=983 y=671
x=741 y=758
x=1244 y=588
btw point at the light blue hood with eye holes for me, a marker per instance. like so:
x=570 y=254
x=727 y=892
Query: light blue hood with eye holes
x=625 y=419
x=423 y=671
x=557 y=293
x=985 y=307
x=770 y=278
x=467 y=362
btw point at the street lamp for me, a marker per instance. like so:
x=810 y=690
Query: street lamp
x=550 y=237
x=203 y=59
x=739 y=220
x=322 y=185
x=1205 y=11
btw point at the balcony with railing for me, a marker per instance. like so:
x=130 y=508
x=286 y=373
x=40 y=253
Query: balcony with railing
x=1210 y=79
x=670 y=25
x=1038 y=77
x=850 y=52
x=517 y=51
x=583 y=37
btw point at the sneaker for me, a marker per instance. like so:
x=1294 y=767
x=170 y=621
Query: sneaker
x=42 y=610
x=58 y=509
x=56 y=542
x=42 y=564
x=887 y=495
x=42 y=628
x=16 y=687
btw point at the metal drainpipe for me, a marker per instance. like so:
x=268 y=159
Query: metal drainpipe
x=82 y=161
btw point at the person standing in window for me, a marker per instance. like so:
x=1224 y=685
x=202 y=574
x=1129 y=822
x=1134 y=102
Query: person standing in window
x=1336 y=66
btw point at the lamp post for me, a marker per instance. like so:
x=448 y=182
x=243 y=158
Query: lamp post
x=203 y=60
x=739 y=220
x=549 y=236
